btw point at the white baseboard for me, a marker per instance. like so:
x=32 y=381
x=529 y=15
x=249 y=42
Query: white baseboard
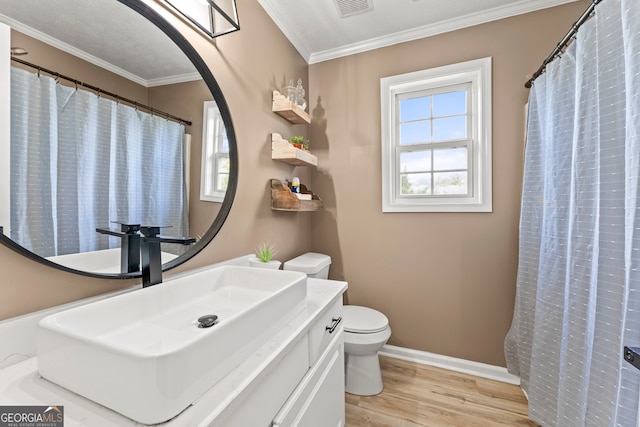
x=478 y=369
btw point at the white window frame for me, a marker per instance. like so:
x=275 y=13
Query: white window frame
x=477 y=73
x=212 y=126
x=5 y=134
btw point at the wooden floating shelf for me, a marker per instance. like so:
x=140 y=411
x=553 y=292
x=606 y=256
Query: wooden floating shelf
x=289 y=110
x=283 y=151
x=282 y=199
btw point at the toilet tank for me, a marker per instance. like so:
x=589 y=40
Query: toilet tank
x=313 y=264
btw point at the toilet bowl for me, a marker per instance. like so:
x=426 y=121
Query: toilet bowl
x=366 y=331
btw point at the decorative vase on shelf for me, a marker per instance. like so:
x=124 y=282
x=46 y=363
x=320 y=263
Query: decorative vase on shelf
x=299 y=95
x=290 y=92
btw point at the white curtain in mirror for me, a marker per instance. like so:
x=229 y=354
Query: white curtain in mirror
x=80 y=161
x=578 y=286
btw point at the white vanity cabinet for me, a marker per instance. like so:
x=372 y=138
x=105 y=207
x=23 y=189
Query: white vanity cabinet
x=318 y=400
x=295 y=379
x=306 y=387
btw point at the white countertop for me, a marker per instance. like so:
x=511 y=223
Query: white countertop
x=20 y=384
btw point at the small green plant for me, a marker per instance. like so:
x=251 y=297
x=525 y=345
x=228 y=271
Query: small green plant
x=300 y=141
x=296 y=140
x=265 y=253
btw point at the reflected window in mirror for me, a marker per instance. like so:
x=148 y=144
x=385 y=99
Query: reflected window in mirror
x=215 y=155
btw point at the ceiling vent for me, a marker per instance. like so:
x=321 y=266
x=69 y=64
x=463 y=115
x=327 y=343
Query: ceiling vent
x=353 y=7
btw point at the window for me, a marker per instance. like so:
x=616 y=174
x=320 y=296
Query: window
x=436 y=139
x=215 y=155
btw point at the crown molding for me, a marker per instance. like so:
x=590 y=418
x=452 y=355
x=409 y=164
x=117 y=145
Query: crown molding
x=181 y=78
x=469 y=20
x=270 y=7
x=45 y=38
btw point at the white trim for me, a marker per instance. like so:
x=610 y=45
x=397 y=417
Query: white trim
x=483 y=370
x=51 y=41
x=181 y=78
x=211 y=120
x=273 y=11
x=501 y=12
x=478 y=73
x=187 y=166
x=5 y=125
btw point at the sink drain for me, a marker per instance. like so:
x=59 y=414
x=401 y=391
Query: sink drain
x=207 y=321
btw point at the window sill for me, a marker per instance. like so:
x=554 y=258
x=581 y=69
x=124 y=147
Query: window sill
x=455 y=205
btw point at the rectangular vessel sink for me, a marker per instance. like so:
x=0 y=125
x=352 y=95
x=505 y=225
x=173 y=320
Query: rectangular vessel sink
x=143 y=354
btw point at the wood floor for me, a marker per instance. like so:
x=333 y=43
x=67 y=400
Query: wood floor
x=420 y=395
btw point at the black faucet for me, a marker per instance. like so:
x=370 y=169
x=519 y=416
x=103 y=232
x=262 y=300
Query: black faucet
x=150 y=253
x=130 y=246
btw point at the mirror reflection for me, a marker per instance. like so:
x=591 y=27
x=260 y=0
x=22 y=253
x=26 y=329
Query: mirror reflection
x=108 y=122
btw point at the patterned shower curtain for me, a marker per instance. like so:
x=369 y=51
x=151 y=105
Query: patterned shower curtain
x=80 y=161
x=578 y=285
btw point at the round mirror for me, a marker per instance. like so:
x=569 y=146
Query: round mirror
x=111 y=109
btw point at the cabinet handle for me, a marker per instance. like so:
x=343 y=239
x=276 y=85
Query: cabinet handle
x=334 y=324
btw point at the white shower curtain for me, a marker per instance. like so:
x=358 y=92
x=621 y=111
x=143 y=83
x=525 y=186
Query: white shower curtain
x=578 y=285
x=80 y=161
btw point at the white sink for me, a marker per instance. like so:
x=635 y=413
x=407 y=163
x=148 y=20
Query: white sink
x=143 y=355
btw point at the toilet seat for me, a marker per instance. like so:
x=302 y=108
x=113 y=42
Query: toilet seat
x=363 y=320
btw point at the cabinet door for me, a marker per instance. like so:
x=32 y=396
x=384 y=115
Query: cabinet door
x=324 y=330
x=325 y=406
x=319 y=399
x=258 y=408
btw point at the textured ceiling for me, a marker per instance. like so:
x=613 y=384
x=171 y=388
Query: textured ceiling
x=105 y=33
x=111 y=35
x=317 y=30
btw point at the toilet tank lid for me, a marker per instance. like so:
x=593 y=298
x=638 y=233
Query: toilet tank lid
x=309 y=263
x=363 y=320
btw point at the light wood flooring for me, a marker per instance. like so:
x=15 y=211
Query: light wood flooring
x=420 y=395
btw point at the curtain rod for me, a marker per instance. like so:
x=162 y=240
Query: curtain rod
x=564 y=42
x=104 y=92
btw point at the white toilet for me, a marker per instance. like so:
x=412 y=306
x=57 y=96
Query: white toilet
x=366 y=331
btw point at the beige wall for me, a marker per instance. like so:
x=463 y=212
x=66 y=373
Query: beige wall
x=445 y=280
x=248 y=65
